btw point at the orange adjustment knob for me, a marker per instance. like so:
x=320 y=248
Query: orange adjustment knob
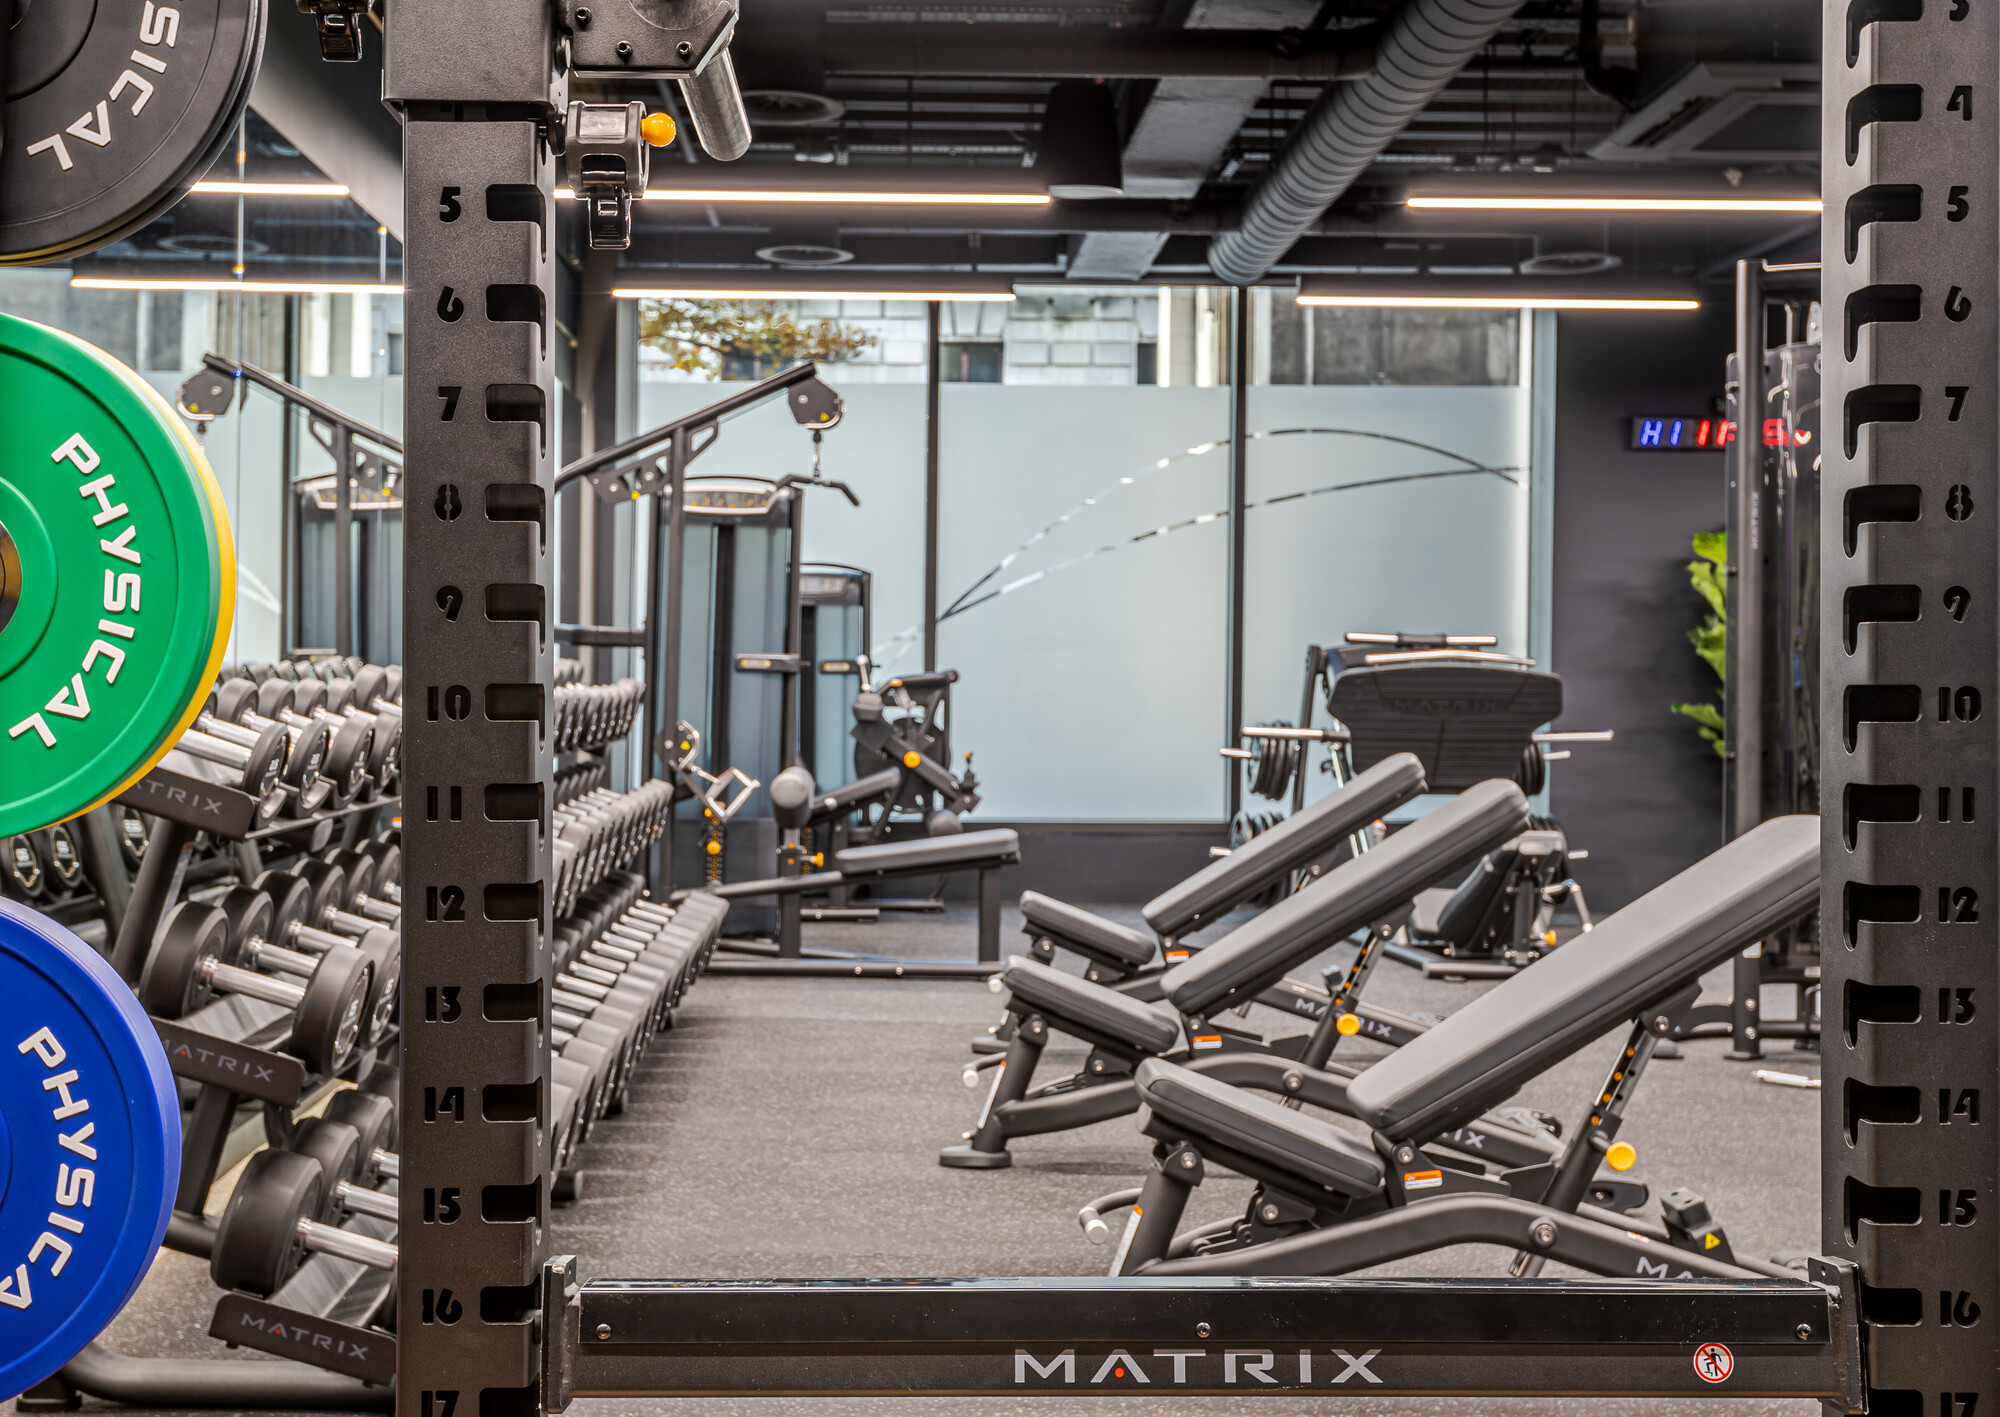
x=1620 y=1156
x=1347 y=1025
x=911 y=759
x=657 y=129
x=714 y=848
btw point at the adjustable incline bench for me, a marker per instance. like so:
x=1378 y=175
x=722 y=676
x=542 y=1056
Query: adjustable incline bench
x=1133 y=962
x=1301 y=842
x=1372 y=892
x=1329 y=1202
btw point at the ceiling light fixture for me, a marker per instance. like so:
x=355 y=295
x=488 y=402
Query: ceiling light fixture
x=1523 y=301
x=836 y=197
x=1738 y=205
x=756 y=290
x=273 y=189
x=257 y=287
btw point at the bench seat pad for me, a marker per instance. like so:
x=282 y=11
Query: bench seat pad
x=1036 y=988
x=1353 y=894
x=965 y=851
x=1299 y=840
x=1093 y=935
x=1635 y=959
x=1259 y=1128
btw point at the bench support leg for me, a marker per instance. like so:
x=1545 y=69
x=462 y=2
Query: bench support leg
x=986 y=1148
x=989 y=916
x=1163 y=1198
x=1746 y=1004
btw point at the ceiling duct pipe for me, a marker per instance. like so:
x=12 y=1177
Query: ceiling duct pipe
x=1426 y=46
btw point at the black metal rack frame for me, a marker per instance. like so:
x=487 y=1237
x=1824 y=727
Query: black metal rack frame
x=1891 y=1324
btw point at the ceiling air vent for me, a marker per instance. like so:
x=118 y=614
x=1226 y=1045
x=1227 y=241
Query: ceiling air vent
x=1724 y=113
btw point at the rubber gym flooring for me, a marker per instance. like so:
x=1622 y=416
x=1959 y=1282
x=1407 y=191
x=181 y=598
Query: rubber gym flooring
x=789 y=1127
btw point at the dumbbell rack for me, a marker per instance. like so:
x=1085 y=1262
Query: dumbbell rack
x=327 y=1313
x=183 y=806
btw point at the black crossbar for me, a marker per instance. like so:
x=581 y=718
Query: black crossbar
x=1225 y=1336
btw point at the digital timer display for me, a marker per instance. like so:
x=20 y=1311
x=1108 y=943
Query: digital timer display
x=1681 y=435
x=1703 y=435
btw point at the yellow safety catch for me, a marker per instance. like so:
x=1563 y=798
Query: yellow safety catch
x=1621 y=1156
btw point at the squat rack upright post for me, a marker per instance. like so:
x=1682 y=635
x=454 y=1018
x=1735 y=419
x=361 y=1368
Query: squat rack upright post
x=478 y=88
x=1910 y=585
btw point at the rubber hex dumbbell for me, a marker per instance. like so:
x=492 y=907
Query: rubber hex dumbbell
x=670 y=947
x=25 y=872
x=237 y=702
x=337 y=1147
x=269 y=1226
x=299 y=777
x=373 y=1117
x=296 y=903
x=372 y=871
x=196 y=960
x=351 y=756
x=350 y=741
x=268 y=932
x=255 y=768
x=62 y=862
x=342 y=762
x=333 y=893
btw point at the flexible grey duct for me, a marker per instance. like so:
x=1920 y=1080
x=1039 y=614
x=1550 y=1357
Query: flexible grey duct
x=1429 y=42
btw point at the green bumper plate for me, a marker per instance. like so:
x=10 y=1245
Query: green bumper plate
x=117 y=576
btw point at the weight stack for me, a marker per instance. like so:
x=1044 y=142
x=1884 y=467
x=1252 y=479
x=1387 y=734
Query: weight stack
x=1911 y=247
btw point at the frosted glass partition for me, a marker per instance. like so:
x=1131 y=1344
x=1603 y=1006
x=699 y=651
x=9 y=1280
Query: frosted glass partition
x=877 y=449
x=1093 y=660
x=1380 y=509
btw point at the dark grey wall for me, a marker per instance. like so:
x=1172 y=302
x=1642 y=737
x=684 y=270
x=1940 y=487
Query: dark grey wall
x=1099 y=863
x=1649 y=803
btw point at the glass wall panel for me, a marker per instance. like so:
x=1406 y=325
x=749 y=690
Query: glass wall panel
x=1082 y=550
x=1387 y=508
x=1083 y=510
x=164 y=334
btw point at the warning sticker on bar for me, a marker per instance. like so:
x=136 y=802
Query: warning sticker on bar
x=1422 y=1180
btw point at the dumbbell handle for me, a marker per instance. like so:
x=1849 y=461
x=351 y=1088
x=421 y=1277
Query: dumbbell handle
x=230 y=978
x=348 y=923
x=228 y=732
x=389 y=1163
x=363 y=1201
x=346 y=1244
x=264 y=953
x=391 y=892
x=321 y=940
x=215 y=750
x=378 y=911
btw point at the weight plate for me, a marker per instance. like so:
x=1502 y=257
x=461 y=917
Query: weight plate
x=127 y=570
x=113 y=111
x=201 y=682
x=80 y=1219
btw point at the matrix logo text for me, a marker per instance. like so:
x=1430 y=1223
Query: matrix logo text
x=1200 y=1367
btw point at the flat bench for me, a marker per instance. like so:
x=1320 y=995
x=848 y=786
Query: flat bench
x=983 y=851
